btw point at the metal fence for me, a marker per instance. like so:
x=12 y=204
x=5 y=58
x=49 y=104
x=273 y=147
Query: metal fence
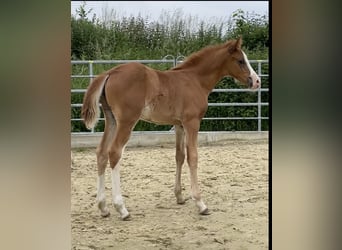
x=174 y=61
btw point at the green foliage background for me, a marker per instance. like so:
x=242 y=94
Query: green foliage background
x=173 y=34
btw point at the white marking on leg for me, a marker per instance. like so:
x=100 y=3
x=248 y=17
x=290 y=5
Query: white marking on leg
x=178 y=187
x=202 y=207
x=199 y=203
x=117 y=197
x=195 y=193
x=101 y=196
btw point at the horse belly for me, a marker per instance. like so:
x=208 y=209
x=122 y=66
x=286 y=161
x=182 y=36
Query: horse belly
x=150 y=114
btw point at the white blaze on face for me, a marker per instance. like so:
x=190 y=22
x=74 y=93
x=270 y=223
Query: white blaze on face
x=255 y=78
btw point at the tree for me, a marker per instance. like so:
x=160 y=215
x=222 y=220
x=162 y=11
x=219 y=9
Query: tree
x=82 y=12
x=253 y=28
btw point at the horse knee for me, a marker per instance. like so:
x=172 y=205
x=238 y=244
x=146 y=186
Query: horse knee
x=102 y=160
x=192 y=160
x=180 y=156
x=114 y=157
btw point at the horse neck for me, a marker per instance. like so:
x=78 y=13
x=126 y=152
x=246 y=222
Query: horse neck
x=209 y=68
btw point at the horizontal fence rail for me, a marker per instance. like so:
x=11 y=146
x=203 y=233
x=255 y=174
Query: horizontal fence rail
x=174 y=62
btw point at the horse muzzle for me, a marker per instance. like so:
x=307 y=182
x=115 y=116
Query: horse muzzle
x=254 y=82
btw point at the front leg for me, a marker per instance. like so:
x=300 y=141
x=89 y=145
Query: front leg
x=180 y=156
x=191 y=133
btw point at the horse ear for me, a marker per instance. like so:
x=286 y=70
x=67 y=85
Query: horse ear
x=239 y=42
x=235 y=46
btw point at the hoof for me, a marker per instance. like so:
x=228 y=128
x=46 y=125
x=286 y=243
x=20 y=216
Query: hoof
x=126 y=217
x=205 y=212
x=181 y=201
x=105 y=214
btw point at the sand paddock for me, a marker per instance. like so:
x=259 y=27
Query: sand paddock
x=233 y=177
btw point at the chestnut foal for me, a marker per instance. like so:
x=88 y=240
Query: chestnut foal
x=179 y=97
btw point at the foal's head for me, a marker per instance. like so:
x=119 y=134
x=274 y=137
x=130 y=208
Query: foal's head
x=238 y=65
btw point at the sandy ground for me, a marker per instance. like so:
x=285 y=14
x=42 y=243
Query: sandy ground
x=233 y=177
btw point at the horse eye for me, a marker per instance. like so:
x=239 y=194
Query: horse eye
x=241 y=62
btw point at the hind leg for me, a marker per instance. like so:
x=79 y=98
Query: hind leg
x=121 y=137
x=102 y=160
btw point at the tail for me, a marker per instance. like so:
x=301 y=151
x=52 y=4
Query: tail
x=90 y=108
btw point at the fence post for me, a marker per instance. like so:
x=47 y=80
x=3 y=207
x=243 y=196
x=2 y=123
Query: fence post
x=174 y=60
x=259 y=98
x=91 y=76
x=178 y=59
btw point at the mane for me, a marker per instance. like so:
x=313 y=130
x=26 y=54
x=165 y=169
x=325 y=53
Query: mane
x=196 y=57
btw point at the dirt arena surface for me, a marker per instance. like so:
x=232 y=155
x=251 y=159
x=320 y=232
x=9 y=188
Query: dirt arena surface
x=233 y=178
